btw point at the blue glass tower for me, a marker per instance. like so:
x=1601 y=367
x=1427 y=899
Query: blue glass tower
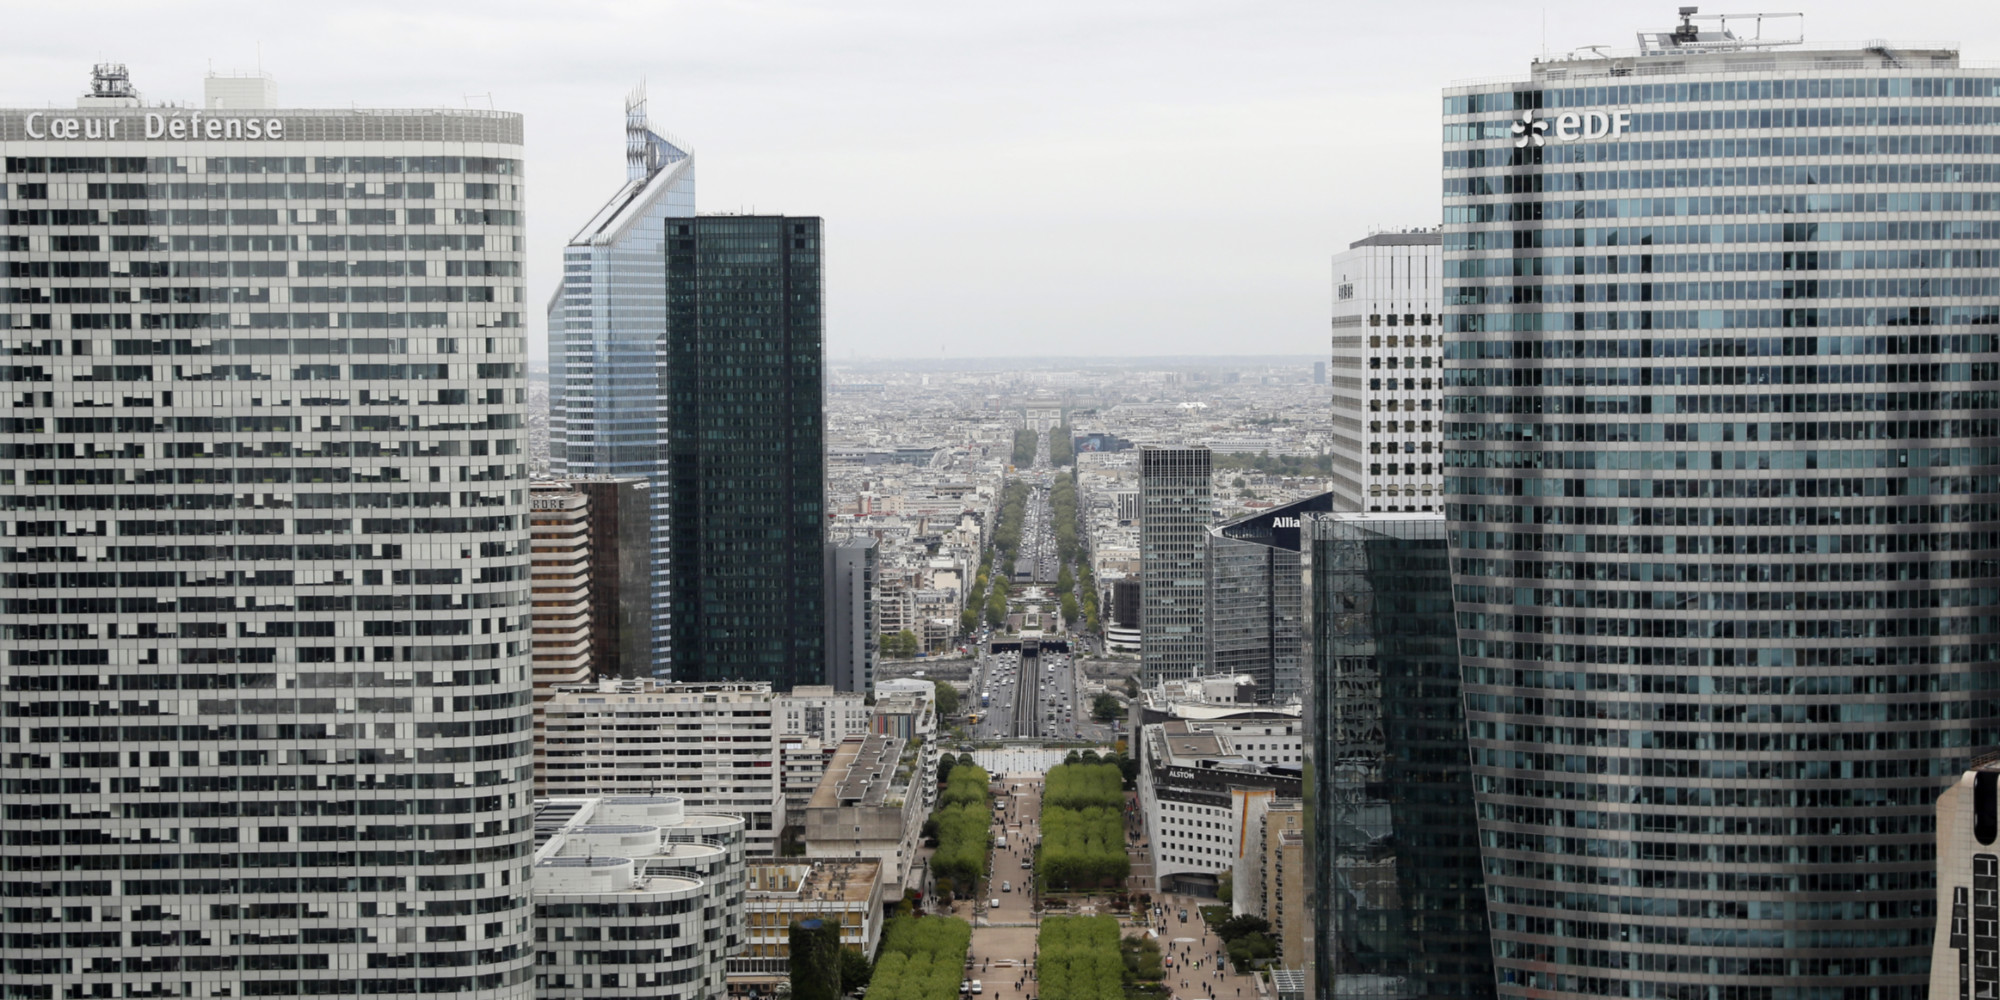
x=608 y=340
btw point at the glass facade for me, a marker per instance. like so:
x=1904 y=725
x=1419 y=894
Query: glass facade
x=1394 y=894
x=1721 y=447
x=746 y=449
x=1255 y=618
x=608 y=346
x=1175 y=497
x=265 y=711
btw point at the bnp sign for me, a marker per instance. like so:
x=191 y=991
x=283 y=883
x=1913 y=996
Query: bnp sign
x=1571 y=126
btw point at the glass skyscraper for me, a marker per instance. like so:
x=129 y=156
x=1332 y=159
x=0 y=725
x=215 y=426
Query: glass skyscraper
x=746 y=448
x=1176 y=504
x=1720 y=428
x=608 y=340
x=265 y=711
x=1255 y=621
x=1393 y=894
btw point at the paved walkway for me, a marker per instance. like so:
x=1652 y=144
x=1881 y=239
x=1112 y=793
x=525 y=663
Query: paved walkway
x=1190 y=942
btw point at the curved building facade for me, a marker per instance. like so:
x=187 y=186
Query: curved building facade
x=266 y=700
x=1721 y=457
x=636 y=899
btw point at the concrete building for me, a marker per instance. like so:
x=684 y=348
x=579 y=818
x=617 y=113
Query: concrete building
x=559 y=526
x=635 y=897
x=1388 y=378
x=1197 y=783
x=1681 y=466
x=870 y=804
x=848 y=892
x=715 y=746
x=1965 y=953
x=607 y=323
x=267 y=415
x=818 y=710
x=591 y=587
x=1175 y=493
x=801 y=764
x=746 y=448
x=853 y=629
x=1269 y=879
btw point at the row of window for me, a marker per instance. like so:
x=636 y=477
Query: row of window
x=271 y=190
x=1664 y=461
x=1724 y=402
x=1718 y=291
x=261 y=165
x=1733 y=175
x=1799 y=147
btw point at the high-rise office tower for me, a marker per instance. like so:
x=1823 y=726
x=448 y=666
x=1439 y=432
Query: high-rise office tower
x=1175 y=498
x=1388 y=346
x=1719 y=401
x=1255 y=619
x=853 y=636
x=746 y=450
x=1966 y=946
x=266 y=701
x=608 y=339
x=1393 y=888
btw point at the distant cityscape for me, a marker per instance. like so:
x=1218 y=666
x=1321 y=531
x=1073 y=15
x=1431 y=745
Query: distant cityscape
x=1608 y=610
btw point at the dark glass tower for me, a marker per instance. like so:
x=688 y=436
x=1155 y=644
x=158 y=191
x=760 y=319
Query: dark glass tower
x=746 y=454
x=1394 y=898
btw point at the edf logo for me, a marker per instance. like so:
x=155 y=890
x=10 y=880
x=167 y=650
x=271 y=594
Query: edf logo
x=1571 y=126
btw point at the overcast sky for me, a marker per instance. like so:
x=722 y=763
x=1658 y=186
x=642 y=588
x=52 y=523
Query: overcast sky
x=1051 y=177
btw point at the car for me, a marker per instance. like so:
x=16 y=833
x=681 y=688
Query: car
x=1006 y=886
x=978 y=987
x=965 y=986
x=993 y=904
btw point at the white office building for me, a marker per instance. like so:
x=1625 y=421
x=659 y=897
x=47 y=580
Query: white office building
x=713 y=745
x=1388 y=360
x=263 y=486
x=636 y=898
x=819 y=710
x=1203 y=781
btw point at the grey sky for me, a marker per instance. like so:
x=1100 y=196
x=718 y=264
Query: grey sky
x=1018 y=177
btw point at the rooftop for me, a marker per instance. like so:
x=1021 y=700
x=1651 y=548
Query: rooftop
x=844 y=881
x=860 y=772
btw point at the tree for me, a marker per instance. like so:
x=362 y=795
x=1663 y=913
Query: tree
x=1105 y=707
x=1132 y=687
x=1064 y=580
x=900 y=646
x=947 y=700
x=1068 y=606
x=1225 y=887
x=854 y=970
x=1238 y=482
x=815 y=955
x=968 y=620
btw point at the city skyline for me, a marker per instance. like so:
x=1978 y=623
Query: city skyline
x=1045 y=138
